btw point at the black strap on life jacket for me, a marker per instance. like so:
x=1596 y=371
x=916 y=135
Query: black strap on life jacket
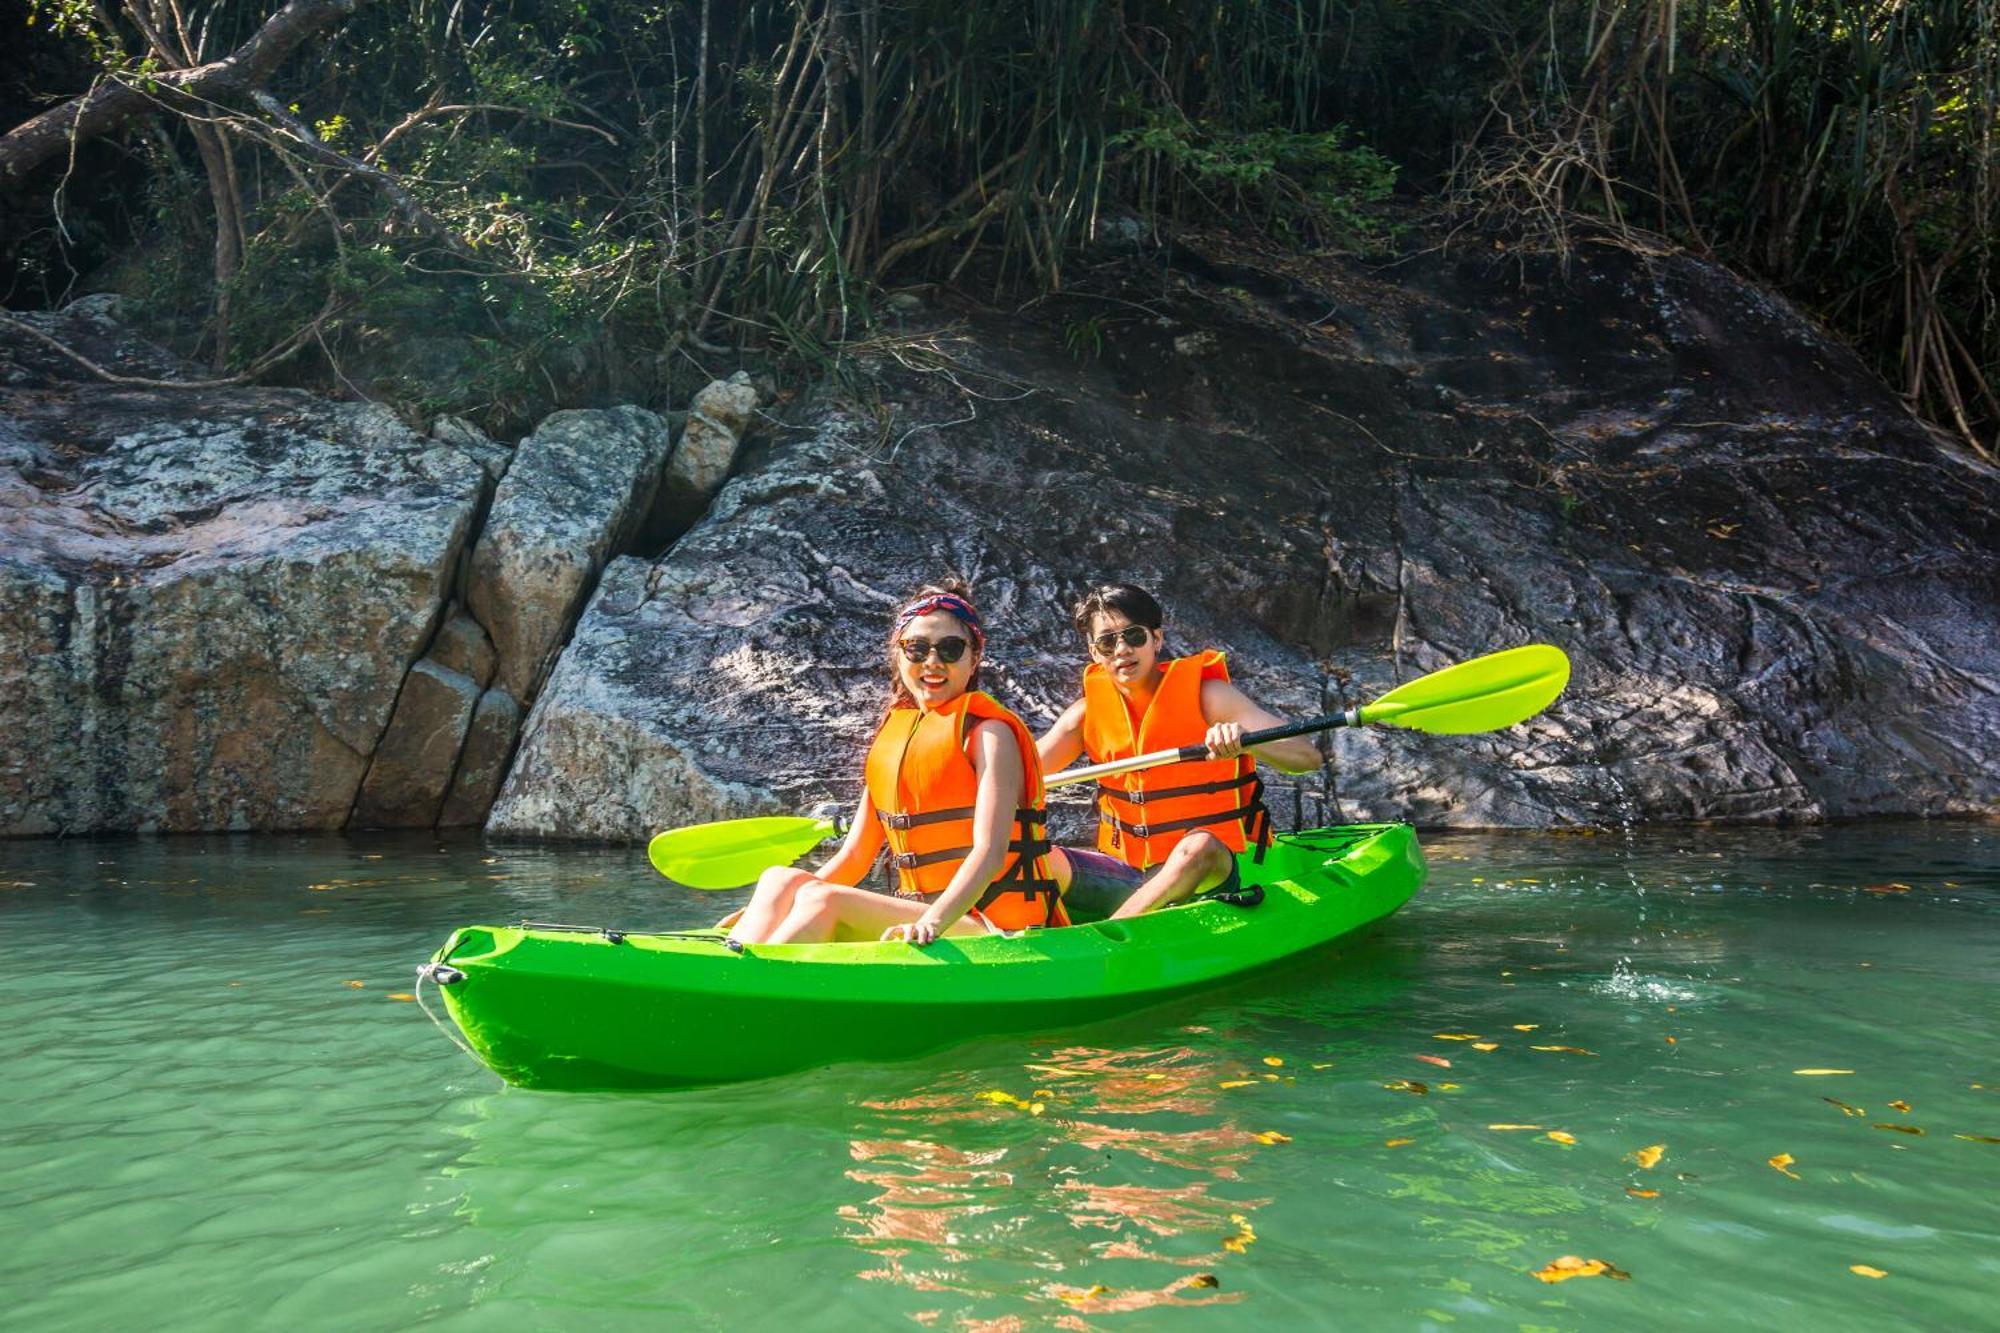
x=1029 y=846
x=1256 y=818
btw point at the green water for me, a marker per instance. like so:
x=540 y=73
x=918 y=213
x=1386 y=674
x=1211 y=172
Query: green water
x=205 y=1122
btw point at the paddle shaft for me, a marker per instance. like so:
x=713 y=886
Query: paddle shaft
x=1187 y=753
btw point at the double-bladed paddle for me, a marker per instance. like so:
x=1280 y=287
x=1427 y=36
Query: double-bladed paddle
x=1485 y=694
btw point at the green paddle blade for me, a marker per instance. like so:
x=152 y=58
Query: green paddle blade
x=1484 y=694
x=733 y=853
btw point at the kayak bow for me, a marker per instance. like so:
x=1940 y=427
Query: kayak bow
x=572 y=1009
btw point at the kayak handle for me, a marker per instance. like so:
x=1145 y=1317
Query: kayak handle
x=1189 y=753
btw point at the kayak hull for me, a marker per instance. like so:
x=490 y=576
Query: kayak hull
x=570 y=1009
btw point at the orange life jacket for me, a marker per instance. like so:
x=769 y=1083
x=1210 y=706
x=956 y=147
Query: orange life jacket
x=924 y=786
x=1142 y=815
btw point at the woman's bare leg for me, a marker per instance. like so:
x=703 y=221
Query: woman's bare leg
x=822 y=911
x=768 y=906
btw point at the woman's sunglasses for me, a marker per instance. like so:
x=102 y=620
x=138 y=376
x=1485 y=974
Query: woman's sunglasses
x=1131 y=636
x=948 y=650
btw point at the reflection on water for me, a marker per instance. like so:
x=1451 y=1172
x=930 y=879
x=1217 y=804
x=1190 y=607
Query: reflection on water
x=206 y=1122
x=957 y=1180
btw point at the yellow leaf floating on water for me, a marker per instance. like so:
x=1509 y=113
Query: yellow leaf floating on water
x=1036 y=1108
x=1977 y=1138
x=1900 y=1105
x=1204 y=1280
x=1408 y=1085
x=1866 y=1271
x=1845 y=1109
x=1900 y=1129
x=1648 y=1158
x=1273 y=1061
x=1447 y=1087
x=1818 y=1072
x=1156 y=1078
x=1399 y=1143
x=1573 y=1050
x=1506 y=1127
x=1485 y=1045
x=1560 y=1137
x=356 y=985
x=1783 y=1162
x=1638 y=1193
x=1077 y=1295
x=1323 y=1065
x=401 y=995
x=1437 y=1060
x=1246 y=1235
x=1272 y=1136
x=1456 y=1036
x=1237 y=1083
x=1526 y=1027
x=999 y=1098
x=1569 y=1266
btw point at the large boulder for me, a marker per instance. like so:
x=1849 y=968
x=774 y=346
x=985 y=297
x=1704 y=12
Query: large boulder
x=576 y=491
x=209 y=598
x=1777 y=587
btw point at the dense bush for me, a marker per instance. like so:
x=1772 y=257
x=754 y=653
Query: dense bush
x=560 y=202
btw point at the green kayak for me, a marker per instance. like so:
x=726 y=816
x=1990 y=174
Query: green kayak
x=572 y=1008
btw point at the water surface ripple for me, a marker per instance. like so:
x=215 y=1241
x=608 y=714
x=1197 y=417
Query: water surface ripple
x=218 y=1111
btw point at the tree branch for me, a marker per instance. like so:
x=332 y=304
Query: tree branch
x=111 y=103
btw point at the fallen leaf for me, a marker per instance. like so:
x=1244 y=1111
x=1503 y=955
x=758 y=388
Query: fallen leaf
x=1245 y=1236
x=1783 y=1162
x=1573 y=1050
x=1673 y=1041
x=1327 y=1064
x=1569 y=1266
x=401 y=995
x=1816 y=1072
x=1900 y=1105
x=1977 y=1138
x=1560 y=1137
x=1036 y=1108
x=1238 y=1083
x=1398 y=1143
x=1156 y=1078
x=1845 y=1109
x=1638 y=1193
x=1513 y=1126
x=1892 y=887
x=357 y=985
x=1447 y=1087
x=1408 y=1085
x=1437 y=1060
x=1272 y=1136
x=1078 y=1295
x=1648 y=1158
x=1456 y=1036
x=1204 y=1280
x=1900 y=1129
x=1722 y=532
x=1269 y=1078
x=1866 y=1271
x=1273 y=1061
x=1526 y=1027
x=1485 y=1045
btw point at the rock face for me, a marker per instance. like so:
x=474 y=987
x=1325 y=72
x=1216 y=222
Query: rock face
x=1778 y=590
x=575 y=491
x=208 y=598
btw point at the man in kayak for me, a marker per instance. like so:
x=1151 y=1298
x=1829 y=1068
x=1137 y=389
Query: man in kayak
x=952 y=789
x=1170 y=832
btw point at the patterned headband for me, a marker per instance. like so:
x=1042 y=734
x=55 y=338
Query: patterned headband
x=943 y=601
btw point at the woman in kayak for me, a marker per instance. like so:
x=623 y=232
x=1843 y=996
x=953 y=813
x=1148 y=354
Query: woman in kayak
x=954 y=792
x=1170 y=832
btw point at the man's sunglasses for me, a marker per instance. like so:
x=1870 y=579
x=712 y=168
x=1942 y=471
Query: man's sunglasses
x=1131 y=636
x=948 y=650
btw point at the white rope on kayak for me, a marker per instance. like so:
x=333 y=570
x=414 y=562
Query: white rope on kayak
x=423 y=972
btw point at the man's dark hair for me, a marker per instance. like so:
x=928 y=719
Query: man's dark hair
x=1135 y=604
